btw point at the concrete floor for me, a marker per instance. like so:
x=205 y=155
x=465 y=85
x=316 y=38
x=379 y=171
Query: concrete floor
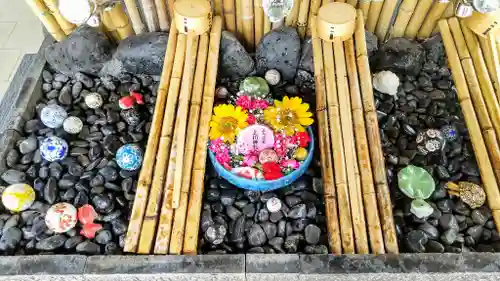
x=20 y=33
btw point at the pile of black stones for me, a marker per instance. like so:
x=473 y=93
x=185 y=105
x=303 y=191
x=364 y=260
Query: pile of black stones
x=89 y=173
x=427 y=99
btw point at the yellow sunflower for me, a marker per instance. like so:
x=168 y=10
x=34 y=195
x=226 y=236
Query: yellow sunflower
x=289 y=116
x=227 y=121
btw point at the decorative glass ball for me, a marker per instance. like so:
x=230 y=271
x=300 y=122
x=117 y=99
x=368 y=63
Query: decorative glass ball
x=450 y=132
x=254 y=86
x=61 y=217
x=73 y=125
x=53 y=149
x=131 y=116
x=18 y=197
x=215 y=234
x=430 y=141
x=93 y=100
x=53 y=116
x=273 y=77
x=129 y=157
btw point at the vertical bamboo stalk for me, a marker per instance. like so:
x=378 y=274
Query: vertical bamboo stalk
x=430 y=22
x=291 y=19
x=65 y=25
x=218 y=8
x=162 y=11
x=417 y=18
x=192 y=130
x=364 y=6
x=373 y=133
x=143 y=186
x=109 y=27
x=385 y=17
x=487 y=175
x=239 y=19
x=353 y=3
x=150 y=15
x=170 y=7
x=248 y=25
x=449 y=12
x=369 y=199
x=267 y=25
x=403 y=18
x=200 y=156
x=135 y=16
x=324 y=143
x=229 y=15
x=120 y=20
x=44 y=15
x=313 y=11
x=259 y=21
x=490 y=64
x=495 y=58
x=302 y=18
x=373 y=15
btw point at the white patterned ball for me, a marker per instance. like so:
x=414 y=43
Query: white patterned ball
x=53 y=116
x=73 y=125
x=93 y=100
x=61 y=217
x=273 y=77
x=18 y=197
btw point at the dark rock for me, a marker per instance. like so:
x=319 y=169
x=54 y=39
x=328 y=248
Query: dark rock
x=51 y=243
x=431 y=231
x=312 y=234
x=449 y=236
x=227 y=197
x=445 y=205
x=475 y=232
x=13 y=176
x=238 y=230
x=306 y=60
x=481 y=216
x=72 y=242
x=111 y=249
x=87 y=247
x=263 y=215
x=461 y=208
x=10 y=222
x=50 y=191
x=434 y=247
x=235 y=62
x=256 y=236
x=232 y=212
x=249 y=210
x=277 y=243
x=371 y=43
x=400 y=55
x=415 y=241
x=448 y=221
x=119 y=227
x=12 y=158
x=28 y=145
x=110 y=217
x=316 y=249
x=103 y=203
x=10 y=239
x=109 y=173
x=275 y=216
x=297 y=212
x=65 y=97
x=292 y=200
x=103 y=237
x=299 y=224
x=292 y=243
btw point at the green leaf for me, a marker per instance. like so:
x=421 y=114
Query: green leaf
x=416 y=182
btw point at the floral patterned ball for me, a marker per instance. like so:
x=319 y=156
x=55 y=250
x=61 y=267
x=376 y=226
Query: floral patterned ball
x=61 y=217
x=53 y=149
x=129 y=157
x=430 y=141
x=93 y=100
x=18 y=197
x=53 y=116
x=450 y=132
x=73 y=125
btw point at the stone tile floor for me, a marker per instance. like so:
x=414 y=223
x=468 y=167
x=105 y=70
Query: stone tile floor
x=20 y=33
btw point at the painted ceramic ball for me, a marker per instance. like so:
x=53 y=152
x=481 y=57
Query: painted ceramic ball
x=18 y=197
x=53 y=116
x=131 y=116
x=430 y=141
x=273 y=77
x=61 y=217
x=129 y=157
x=53 y=149
x=73 y=125
x=93 y=100
x=450 y=132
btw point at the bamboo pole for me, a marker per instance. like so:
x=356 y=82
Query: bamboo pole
x=495 y=58
x=483 y=77
x=267 y=25
x=291 y=19
x=373 y=15
x=162 y=13
x=369 y=199
x=333 y=227
x=430 y=22
x=417 y=18
x=120 y=20
x=170 y=7
x=239 y=20
x=218 y=8
x=248 y=23
x=373 y=133
x=150 y=15
x=364 y=6
x=403 y=18
x=385 y=17
x=449 y=12
x=200 y=156
x=353 y=3
x=65 y=25
x=487 y=175
x=153 y=142
x=110 y=28
x=302 y=17
x=135 y=16
x=490 y=64
x=259 y=21
x=313 y=11
x=476 y=95
x=194 y=116
x=229 y=15
x=47 y=19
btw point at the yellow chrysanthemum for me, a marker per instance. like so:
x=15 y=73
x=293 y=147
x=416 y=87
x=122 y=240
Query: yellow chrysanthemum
x=227 y=121
x=289 y=116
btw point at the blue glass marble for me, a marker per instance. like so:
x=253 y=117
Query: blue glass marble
x=129 y=157
x=53 y=149
x=450 y=132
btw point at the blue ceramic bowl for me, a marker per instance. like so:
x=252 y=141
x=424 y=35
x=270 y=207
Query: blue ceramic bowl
x=263 y=185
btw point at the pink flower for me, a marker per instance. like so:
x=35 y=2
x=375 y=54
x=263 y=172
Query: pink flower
x=244 y=102
x=259 y=104
x=223 y=158
x=280 y=145
x=250 y=160
x=217 y=145
x=251 y=119
x=294 y=164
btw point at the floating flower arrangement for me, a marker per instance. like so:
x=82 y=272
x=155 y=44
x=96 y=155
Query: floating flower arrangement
x=260 y=139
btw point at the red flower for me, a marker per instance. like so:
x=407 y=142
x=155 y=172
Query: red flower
x=89 y=230
x=251 y=119
x=259 y=104
x=86 y=214
x=303 y=139
x=271 y=171
x=138 y=97
x=244 y=102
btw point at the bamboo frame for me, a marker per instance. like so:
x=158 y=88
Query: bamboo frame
x=218 y=10
x=110 y=28
x=258 y=21
x=120 y=21
x=495 y=58
x=324 y=143
x=373 y=15
x=483 y=117
x=368 y=189
x=150 y=14
x=435 y=13
x=198 y=173
x=338 y=154
x=384 y=20
x=65 y=25
x=487 y=175
x=403 y=18
x=364 y=6
x=291 y=19
x=313 y=11
x=417 y=18
x=239 y=20
x=47 y=19
x=373 y=133
x=229 y=15
x=162 y=14
x=302 y=17
x=145 y=176
x=171 y=12
x=135 y=16
x=267 y=25
x=490 y=64
x=248 y=23
x=353 y=3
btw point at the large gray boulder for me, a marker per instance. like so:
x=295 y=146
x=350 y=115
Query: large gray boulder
x=306 y=60
x=280 y=50
x=235 y=62
x=140 y=54
x=371 y=43
x=85 y=50
x=400 y=55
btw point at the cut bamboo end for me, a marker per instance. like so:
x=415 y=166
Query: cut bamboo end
x=119 y=20
x=110 y=27
x=336 y=21
x=302 y=17
x=248 y=23
x=435 y=13
x=385 y=17
x=44 y=15
x=373 y=15
x=405 y=13
x=65 y=25
x=135 y=16
x=417 y=18
x=229 y=15
x=162 y=13
x=193 y=16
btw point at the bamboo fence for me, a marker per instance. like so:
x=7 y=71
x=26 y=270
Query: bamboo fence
x=48 y=20
x=385 y=17
x=135 y=16
x=150 y=14
x=162 y=14
x=118 y=20
x=65 y=25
